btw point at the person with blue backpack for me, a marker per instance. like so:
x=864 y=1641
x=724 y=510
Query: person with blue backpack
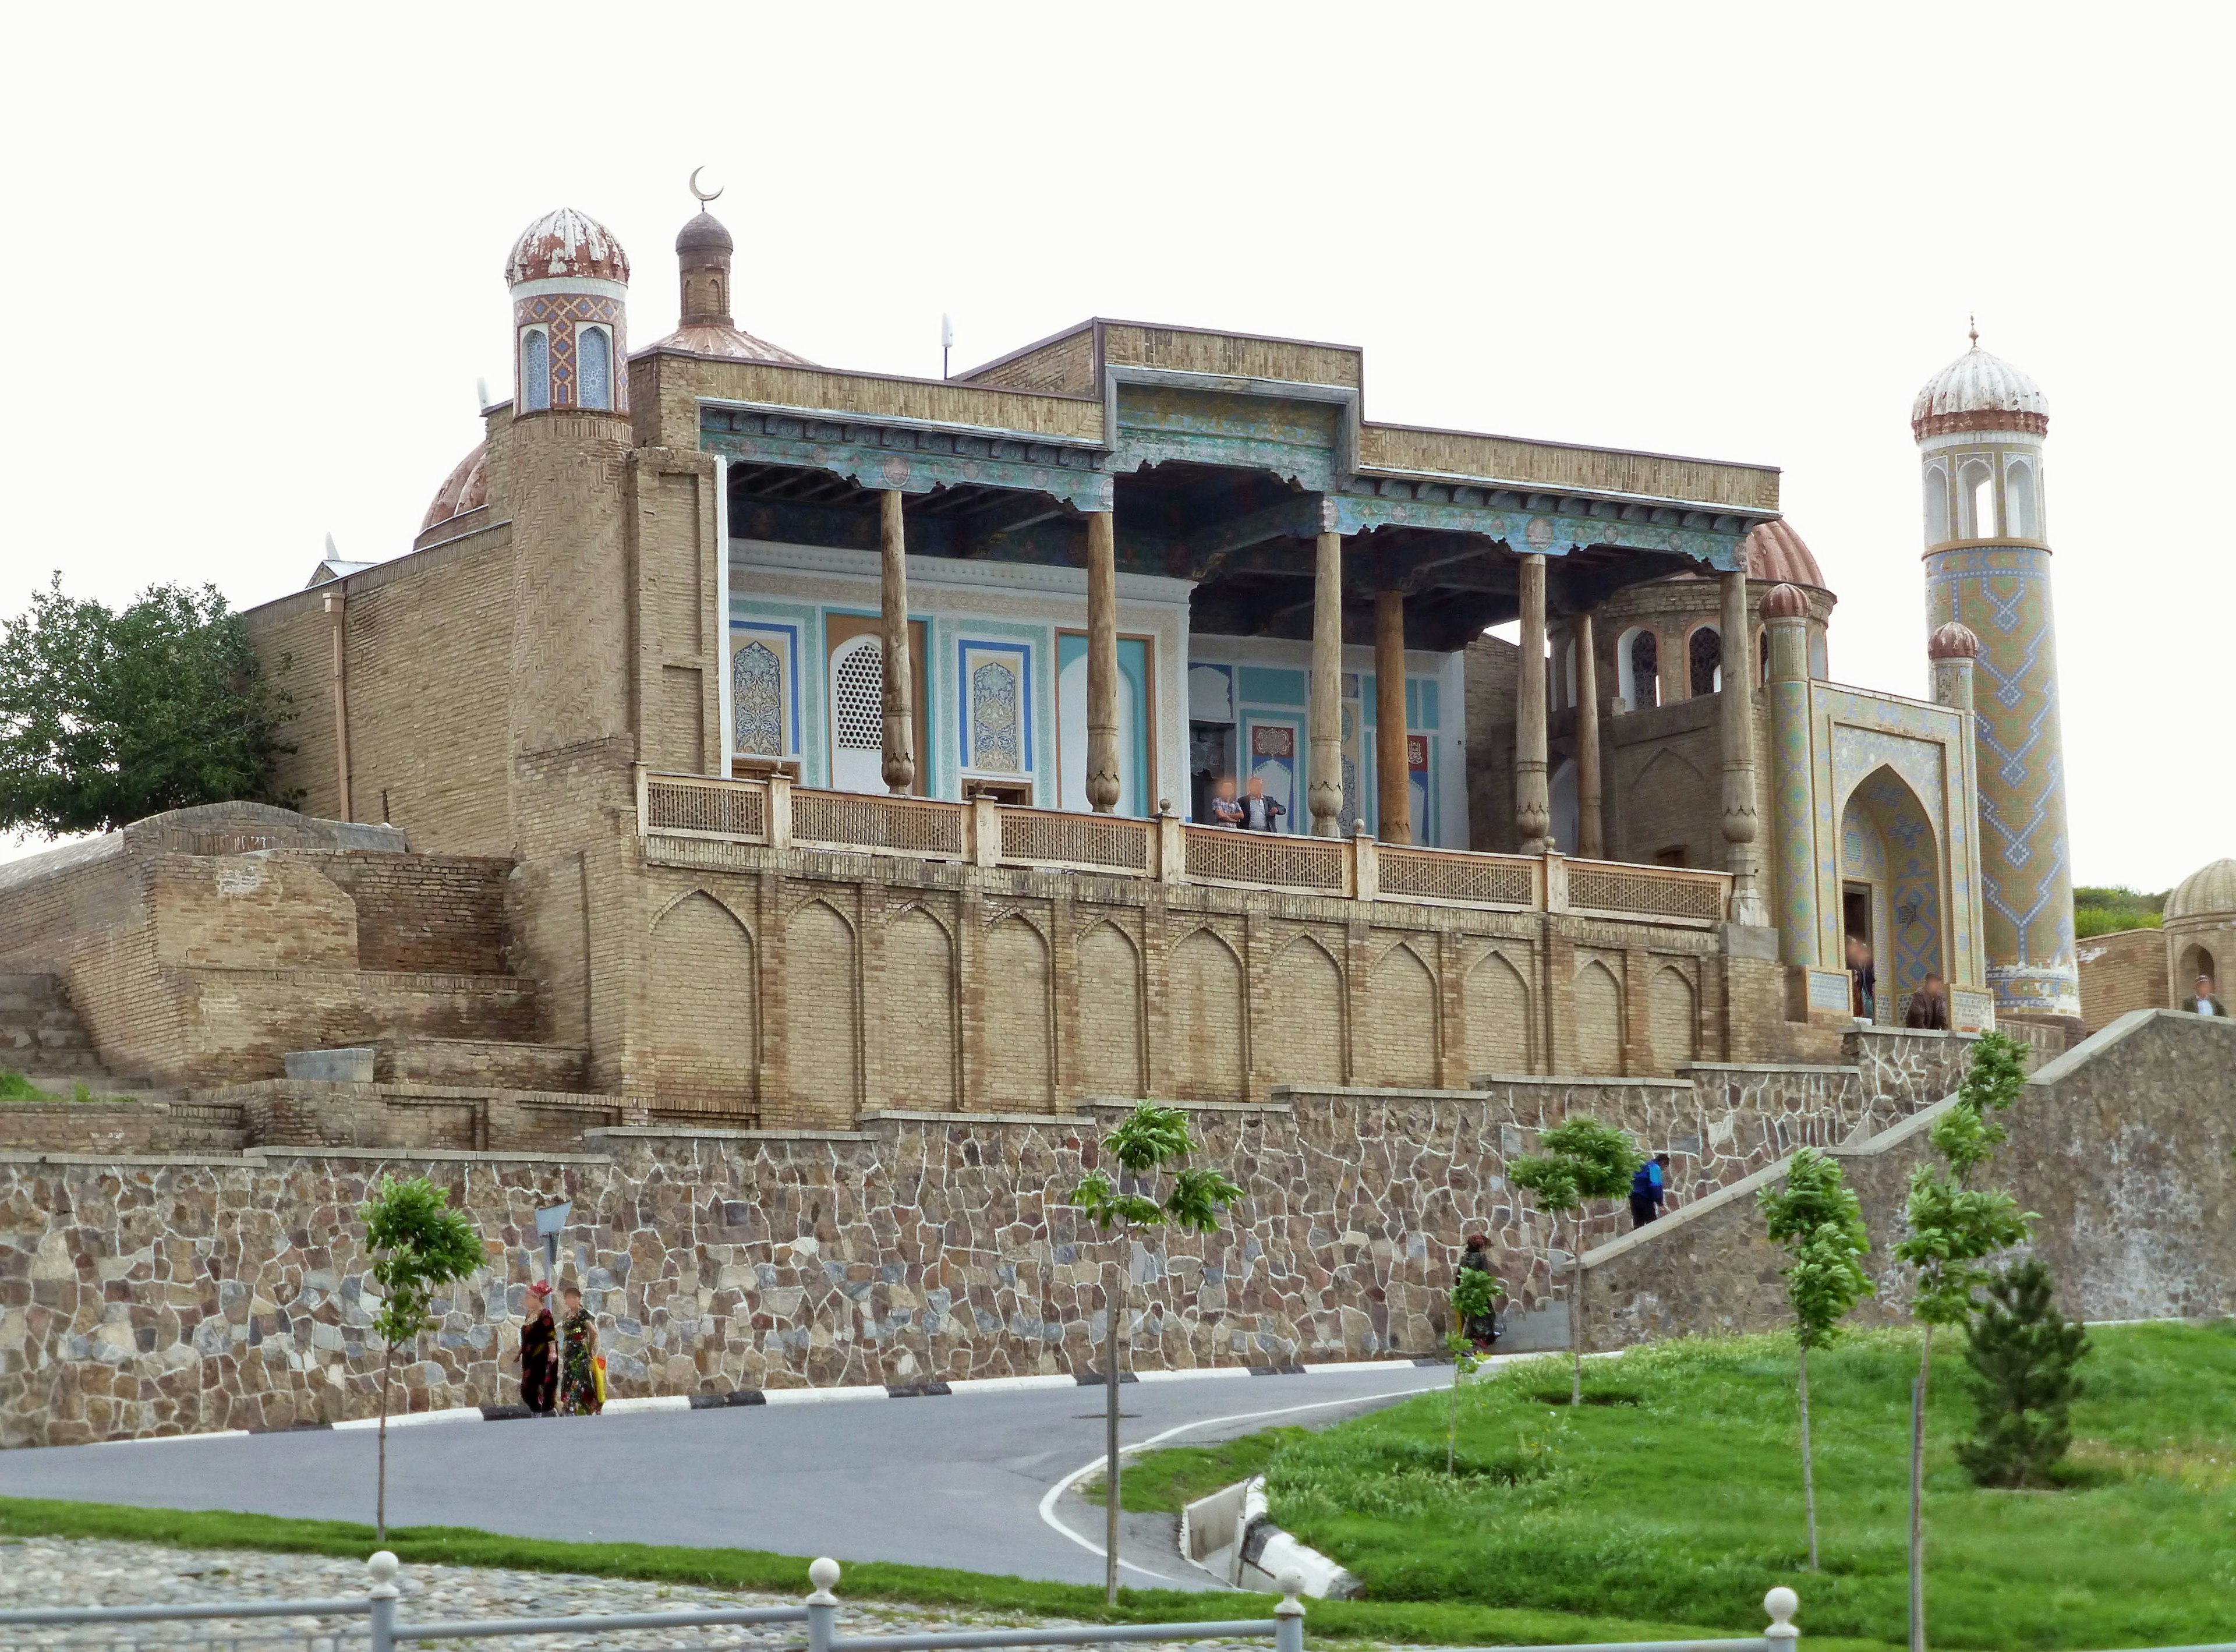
x=1649 y=1190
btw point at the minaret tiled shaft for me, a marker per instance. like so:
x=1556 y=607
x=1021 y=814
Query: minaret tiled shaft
x=1980 y=426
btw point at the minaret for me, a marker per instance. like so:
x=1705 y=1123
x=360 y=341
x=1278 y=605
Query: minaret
x=1979 y=424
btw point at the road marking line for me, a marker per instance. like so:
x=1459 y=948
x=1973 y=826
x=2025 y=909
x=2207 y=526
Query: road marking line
x=1048 y=1500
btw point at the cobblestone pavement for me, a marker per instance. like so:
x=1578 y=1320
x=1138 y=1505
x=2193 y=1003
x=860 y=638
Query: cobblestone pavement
x=53 y=1572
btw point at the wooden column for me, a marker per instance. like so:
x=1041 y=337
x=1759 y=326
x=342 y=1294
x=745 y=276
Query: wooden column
x=900 y=681
x=336 y=604
x=1742 y=858
x=1591 y=831
x=1533 y=804
x=1324 y=793
x=1101 y=662
x=1393 y=775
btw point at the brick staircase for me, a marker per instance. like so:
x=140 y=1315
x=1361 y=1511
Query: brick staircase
x=42 y=1037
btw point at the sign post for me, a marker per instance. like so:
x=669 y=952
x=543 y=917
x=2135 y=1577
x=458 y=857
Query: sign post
x=550 y=1222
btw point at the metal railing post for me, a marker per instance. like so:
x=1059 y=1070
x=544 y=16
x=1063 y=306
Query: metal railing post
x=822 y=1605
x=1781 y=1603
x=1289 y=1616
x=381 y=1613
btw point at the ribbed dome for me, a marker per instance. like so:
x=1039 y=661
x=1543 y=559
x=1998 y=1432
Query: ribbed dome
x=704 y=234
x=566 y=243
x=1979 y=391
x=1774 y=552
x=729 y=343
x=1953 y=641
x=465 y=489
x=1786 y=602
x=2208 y=892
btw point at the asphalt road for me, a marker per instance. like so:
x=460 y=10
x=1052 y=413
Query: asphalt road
x=955 y=1480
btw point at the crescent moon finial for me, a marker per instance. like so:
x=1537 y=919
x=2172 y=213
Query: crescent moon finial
x=703 y=196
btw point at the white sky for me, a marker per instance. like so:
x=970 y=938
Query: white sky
x=253 y=262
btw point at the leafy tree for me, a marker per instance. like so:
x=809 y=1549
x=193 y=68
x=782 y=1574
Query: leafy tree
x=1148 y=1143
x=1474 y=1295
x=107 y=716
x=1818 y=1218
x=1582 y=1160
x=2024 y=1356
x=422 y=1246
x=1954 y=1225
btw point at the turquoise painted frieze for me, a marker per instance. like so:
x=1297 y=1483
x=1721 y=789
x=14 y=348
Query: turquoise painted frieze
x=908 y=460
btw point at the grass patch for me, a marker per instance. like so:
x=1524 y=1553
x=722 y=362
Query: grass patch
x=14 y=1087
x=1686 y=1506
x=1167 y=1481
x=1447 y=1623
x=2109 y=908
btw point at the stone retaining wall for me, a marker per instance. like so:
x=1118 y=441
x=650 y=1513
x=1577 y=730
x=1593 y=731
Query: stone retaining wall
x=142 y=1296
x=2121 y=1146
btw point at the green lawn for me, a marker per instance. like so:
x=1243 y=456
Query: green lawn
x=1685 y=1505
x=1433 y=1622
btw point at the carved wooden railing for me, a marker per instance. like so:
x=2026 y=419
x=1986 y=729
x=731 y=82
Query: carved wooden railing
x=777 y=814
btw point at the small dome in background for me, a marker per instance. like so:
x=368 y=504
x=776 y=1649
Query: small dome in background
x=1953 y=641
x=1774 y=552
x=2210 y=892
x=704 y=234
x=566 y=243
x=1979 y=391
x=465 y=489
x=1786 y=602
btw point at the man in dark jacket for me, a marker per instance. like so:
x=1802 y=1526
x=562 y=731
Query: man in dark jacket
x=1480 y=1329
x=2201 y=1002
x=1929 y=1007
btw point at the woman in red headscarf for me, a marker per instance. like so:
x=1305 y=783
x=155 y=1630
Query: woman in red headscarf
x=539 y=1371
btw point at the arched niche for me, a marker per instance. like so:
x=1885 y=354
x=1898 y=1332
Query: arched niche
x=1890 y=886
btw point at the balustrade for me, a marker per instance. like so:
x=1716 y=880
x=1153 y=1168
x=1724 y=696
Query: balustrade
x=775 y=813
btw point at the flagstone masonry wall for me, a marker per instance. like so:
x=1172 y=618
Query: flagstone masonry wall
x=142 y=1296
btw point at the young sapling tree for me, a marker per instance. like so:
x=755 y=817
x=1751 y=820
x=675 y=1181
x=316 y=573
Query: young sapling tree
x=1816 y=1217
x=1578 y=1162
x=1149 y=1141
x=2024 y=1356
x=422 y=1246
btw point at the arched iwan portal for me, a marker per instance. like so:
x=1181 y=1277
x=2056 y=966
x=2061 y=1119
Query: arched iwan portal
x=1890 y=866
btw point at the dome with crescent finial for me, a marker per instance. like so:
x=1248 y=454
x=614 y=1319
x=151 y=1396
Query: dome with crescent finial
x=1979 y=391
x=566 y=244
x=706 y=328
x=2210 y=892
x=705 y=234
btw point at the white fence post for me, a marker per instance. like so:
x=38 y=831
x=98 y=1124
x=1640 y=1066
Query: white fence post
x=384 y=1567
x=1289 y=1616
x=822 y=1605
x=1781 y=1603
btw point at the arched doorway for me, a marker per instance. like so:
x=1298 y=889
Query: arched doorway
x=1890 y=887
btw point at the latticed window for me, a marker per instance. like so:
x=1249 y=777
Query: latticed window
x=595 y=368
x=1708 y=650
x=757 y=701
x=1646 y=669
x=535 y=370
x=995 y=724
x=858 y=711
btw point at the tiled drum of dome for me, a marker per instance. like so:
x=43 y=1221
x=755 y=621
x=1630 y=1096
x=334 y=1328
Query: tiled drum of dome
x=2002 y=593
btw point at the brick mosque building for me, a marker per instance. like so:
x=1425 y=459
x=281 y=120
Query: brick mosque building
x=767 y=806
x=823 y=742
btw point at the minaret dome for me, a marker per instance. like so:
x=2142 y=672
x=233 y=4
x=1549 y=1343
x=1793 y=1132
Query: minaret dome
x=570 y=281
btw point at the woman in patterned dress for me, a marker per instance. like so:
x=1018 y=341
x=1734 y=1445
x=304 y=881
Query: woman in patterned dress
x=578 y=1383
